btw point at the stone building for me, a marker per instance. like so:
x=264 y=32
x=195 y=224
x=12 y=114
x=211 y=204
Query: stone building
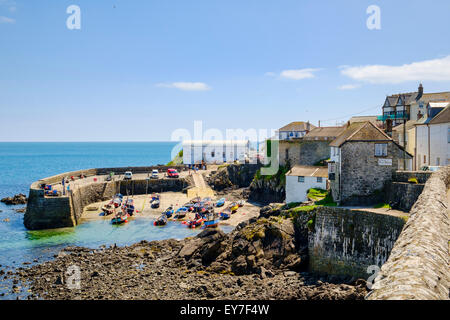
x=310 y=149
x=362 y=160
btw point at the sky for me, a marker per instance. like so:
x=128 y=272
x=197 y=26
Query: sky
x=140 y=70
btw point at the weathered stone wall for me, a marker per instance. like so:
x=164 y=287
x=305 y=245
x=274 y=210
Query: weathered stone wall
x=418 y=267
x=346 y=242
x=403 y=195
x=362 y=179
x=242 y=175
x=403 y=176
x=303 y=152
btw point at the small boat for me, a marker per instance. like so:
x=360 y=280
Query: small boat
x=225 y=214
x=195 y=200
x=194 y=223
x=119 y=219
x=161 y=221
x=155 y=204
x=181 y=213
x=155 y=196
x=233 y=207
x=211 y=221
x=107 y=209
x=190 y=206
x=220 y=202
x=241 y=203
x=168 y=212
x=117 y=202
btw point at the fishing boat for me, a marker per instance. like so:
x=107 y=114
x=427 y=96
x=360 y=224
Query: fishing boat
x=195 y=200
x=225 y=214
x=220 y=202
x=168 y=212
x=241 y=203
x=108 y=209
x=117 y=202
x=211 y=221
x=155 y=204
x=233 y=207
x=161 y=221
x=190 y=206
x=120 y=219
x=194 y=223
x=181 y=213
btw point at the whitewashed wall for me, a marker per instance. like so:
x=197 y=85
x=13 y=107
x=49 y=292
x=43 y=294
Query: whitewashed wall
x=296 y=191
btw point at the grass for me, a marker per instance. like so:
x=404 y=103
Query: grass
x=317 y=194
x=177 y=160
x=382 y=206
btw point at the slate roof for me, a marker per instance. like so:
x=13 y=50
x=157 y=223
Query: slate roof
x=323 y=133
x=442 y=117
x=297 y=126
x=308 y=171
x=360 y=131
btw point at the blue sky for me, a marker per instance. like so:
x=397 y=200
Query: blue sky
x=137 y=70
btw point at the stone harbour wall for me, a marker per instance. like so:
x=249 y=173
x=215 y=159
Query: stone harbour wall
x=418 y=266
x=347 y=242
x=45 y=212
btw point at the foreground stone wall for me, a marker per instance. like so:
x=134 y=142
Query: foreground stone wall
x=418 y=267
x=347 y=242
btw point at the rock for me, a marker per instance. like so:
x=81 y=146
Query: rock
x=290 y=274
x=17 y=199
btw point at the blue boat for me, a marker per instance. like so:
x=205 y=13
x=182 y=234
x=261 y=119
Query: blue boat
x=168 y=212
x=225 y=214
x=181 y=213
x=220 y=202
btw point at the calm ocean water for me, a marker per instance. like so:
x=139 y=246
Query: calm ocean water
x=23 y=163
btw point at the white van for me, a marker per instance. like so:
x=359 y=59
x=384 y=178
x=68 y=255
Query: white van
x=155 y=174
x=128 y=175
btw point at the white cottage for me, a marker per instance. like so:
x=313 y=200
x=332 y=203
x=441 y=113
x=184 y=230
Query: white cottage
x=302 y=178
x=215 y=151
x=433 y=140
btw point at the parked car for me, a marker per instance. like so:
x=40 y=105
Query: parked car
x=155 y=174
x=172 y=173
x=128 y=175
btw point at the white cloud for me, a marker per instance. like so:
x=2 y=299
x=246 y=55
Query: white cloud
x=349 y=86
x=431 y=70
x=298 y=74
x=6 y=20
x=186 y=86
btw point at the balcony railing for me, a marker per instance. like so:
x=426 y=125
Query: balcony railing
x=398 y=115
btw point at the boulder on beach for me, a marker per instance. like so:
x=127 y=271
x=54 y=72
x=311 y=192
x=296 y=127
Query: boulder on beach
x=17 y=199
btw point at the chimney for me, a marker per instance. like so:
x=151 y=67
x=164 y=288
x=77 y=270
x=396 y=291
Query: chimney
x=420 y=92
x=419 y=115
x=307 y=126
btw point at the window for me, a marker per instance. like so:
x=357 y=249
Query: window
x=448 y=135
x=212 y=154
x=319 y=179
x=438 y=161
x=380 y=149
x=286 y=154
x=301 y=179
x=224 y=155
x=424 y=159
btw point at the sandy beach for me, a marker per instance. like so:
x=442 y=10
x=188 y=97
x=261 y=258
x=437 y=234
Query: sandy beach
x=176 y=199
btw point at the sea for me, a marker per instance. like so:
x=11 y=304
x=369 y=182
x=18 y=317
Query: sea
x=25 y=162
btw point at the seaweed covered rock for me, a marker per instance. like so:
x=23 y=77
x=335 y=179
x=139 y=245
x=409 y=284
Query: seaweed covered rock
x=17 y=199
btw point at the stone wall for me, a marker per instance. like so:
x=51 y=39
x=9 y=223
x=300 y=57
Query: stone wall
x=403 y=176
x=418 y=267
x=402 y=195
x=303 y=152
x=362 y=179
x=346 y=242
x=65 y=211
